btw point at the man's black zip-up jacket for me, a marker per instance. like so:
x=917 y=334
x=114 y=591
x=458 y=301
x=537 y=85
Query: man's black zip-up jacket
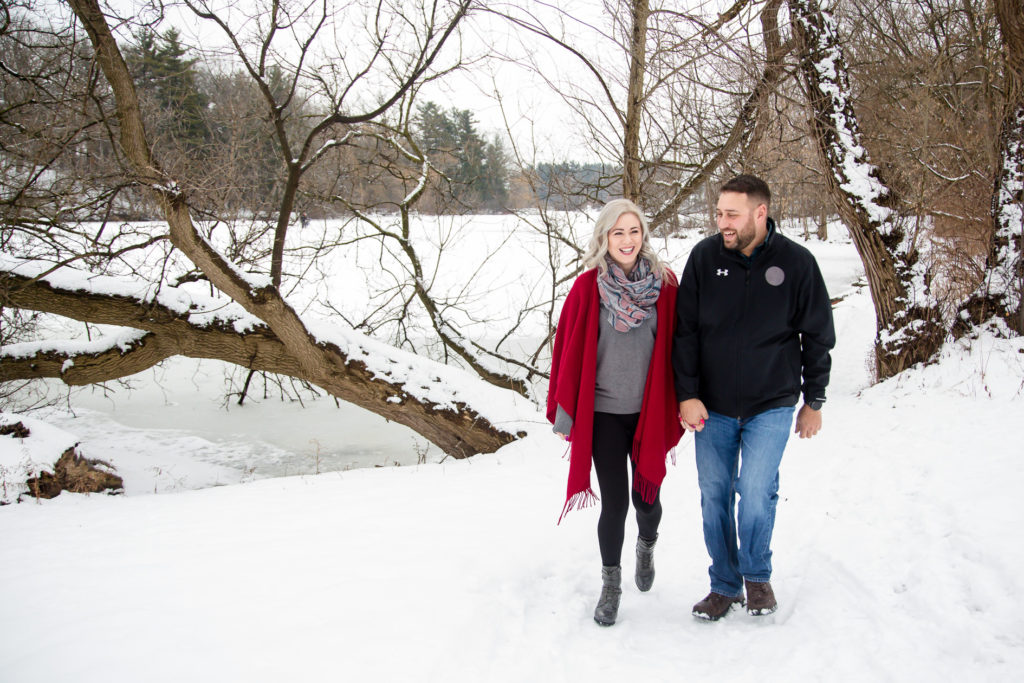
x=749 y=328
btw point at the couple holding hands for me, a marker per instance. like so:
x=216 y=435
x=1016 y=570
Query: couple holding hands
x=725 y=352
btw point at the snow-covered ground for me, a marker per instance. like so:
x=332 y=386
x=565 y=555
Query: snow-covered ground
x=895 y=551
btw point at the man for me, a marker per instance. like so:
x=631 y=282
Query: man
x=753 y=318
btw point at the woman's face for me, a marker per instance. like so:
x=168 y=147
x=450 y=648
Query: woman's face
x=624 y=241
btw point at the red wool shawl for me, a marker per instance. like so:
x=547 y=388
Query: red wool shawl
x=572 y=384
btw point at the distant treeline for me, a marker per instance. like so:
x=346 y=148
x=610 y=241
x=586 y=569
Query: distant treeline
x=212 y=132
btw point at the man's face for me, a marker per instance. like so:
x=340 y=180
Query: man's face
x=737 y=221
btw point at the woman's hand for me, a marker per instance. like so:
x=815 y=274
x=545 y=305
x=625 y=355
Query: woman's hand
x=692 y=414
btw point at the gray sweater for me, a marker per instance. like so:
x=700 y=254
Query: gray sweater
x=622 y=361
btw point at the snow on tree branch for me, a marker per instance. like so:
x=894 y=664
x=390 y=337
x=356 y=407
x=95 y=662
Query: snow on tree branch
x=420 y=186
x=858 y=178
x=123 y=341
x=228 y=332
x=907 y=314
x=1005 y=275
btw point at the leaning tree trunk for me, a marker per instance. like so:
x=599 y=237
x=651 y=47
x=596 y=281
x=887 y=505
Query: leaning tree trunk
x=429 y=398
x=999 y=295
x=908 y=329
x=285 y=346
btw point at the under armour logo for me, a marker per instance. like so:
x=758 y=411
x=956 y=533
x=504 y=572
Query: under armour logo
x=722 y=271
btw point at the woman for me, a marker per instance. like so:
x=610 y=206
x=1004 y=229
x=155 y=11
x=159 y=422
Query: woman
x=611 y=392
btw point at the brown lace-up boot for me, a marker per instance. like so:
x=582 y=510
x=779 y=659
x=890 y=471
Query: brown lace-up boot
x=760 y=598
x=715 y=606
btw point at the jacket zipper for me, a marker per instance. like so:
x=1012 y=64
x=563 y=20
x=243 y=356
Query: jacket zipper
x=739 y=344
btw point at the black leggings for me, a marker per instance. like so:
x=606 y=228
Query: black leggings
x=613 y=440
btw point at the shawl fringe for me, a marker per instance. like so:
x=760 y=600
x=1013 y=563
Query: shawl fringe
x=583 y=499
x=647 y=489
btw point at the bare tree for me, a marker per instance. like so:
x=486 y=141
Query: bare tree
x=395 y=232
x=909 y=330
x=928 y=83
x=932 y=100
x=258 y=329
x=671 y=94
x=302 y=149
x=1000 y=294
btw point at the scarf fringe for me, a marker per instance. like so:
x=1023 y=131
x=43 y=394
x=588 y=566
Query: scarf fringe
x=647 y=489
x=578 y=501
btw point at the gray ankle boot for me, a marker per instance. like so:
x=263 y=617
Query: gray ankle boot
x=645 y=563
x=608 y=604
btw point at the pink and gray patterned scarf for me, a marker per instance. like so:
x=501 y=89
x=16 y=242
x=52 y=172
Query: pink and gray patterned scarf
x=629 y=300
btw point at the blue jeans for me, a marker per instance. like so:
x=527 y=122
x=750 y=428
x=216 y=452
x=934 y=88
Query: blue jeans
x=740 y=457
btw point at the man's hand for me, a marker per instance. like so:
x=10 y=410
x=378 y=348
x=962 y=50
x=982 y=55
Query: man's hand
x=808 y=422
x=692 y=414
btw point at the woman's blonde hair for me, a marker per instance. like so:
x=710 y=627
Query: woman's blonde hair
x=594 y=257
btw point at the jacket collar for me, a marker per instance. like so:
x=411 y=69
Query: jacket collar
x=768 y=239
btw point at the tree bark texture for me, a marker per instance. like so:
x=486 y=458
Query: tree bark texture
x=460 y=432
x=908 y=330
x=635 y=101
x=1000 y=293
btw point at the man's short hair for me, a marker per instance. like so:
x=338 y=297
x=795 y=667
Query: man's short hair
x=750 y=185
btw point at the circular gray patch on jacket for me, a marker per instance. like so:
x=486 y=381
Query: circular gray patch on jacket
x=775 y=276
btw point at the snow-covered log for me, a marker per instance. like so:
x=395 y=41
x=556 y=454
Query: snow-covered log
x=450 y=407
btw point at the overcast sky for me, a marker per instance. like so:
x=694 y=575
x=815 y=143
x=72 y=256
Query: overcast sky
x=535 y=113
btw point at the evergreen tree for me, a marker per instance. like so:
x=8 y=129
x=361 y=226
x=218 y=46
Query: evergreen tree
x=163 y=72
x=471 y=152
x=495 y=177
x=478 y=170
x=435 y=130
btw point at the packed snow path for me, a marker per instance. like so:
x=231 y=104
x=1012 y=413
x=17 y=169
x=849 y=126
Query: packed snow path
x=897 y=558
